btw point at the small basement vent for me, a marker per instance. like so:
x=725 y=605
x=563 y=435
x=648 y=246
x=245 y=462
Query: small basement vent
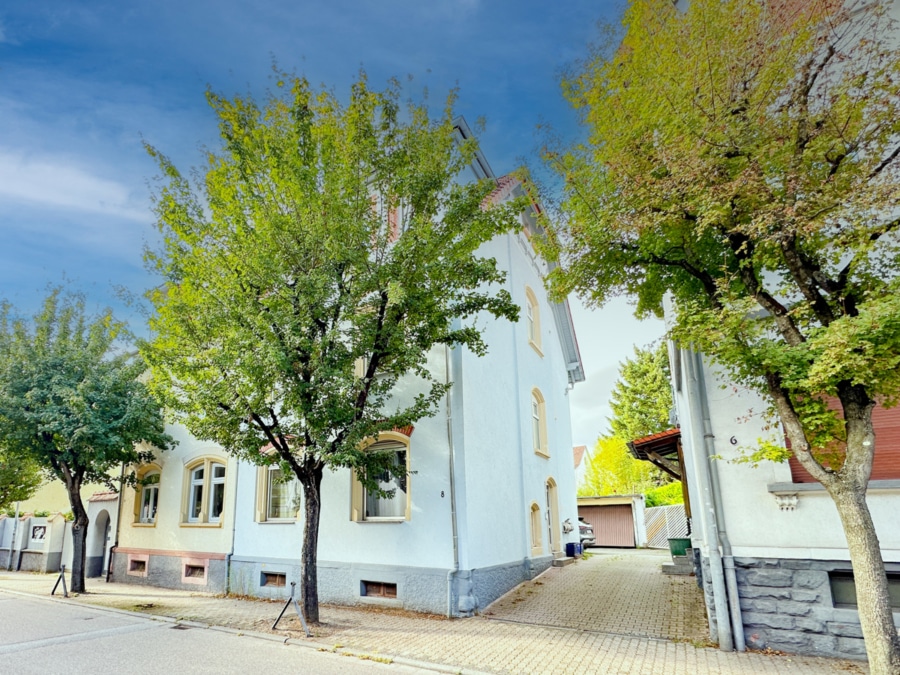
x=379 y=589
x=137 y=566
x=194 y=571
x=273 y=579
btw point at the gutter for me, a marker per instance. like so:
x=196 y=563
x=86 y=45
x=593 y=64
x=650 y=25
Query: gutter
x=734 y=602
x=453 y=524
x=115 y=546
x=237 y=470
x=707 y=504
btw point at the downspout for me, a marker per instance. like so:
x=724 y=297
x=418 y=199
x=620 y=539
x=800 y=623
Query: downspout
x=112 y=551
x=734 y=601
x=237 y=471
x=453 y=570
x=12 y=542
x=707 y=505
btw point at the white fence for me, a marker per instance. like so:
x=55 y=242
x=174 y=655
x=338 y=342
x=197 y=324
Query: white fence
x=664 y=523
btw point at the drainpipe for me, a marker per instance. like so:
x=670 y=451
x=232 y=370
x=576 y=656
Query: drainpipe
x=12 y=542
x=237 y=470
x=112 y=551
x=734 y=601
x=453 y=570
x=707 y=506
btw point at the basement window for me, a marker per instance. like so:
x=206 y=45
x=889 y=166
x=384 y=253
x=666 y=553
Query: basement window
x=137 y=566
x=379 y=589
x=843 y=589
x=277 y=579
x=194 y=571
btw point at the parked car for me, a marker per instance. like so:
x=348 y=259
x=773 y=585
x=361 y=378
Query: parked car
x=586 y=532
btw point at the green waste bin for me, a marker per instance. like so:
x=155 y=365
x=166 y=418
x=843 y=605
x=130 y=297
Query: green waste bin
x=679 y=546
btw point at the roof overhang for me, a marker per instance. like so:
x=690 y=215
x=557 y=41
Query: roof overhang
x=661 y=450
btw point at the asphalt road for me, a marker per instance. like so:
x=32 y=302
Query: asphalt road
x=43 y=637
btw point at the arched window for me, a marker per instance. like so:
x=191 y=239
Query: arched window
x=204 y=499
x=146 y=498
x=537 y=546
x=390 y=498
x=149 y=497
x=533 y=320
x=539 y=423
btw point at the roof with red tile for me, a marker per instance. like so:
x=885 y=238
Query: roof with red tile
x=578 y=452
x=107 y=496
x=665 y=443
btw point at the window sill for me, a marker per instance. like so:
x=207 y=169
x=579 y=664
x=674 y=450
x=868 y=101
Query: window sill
x=200 y=524
x=143 y=524
x=377 y=521
x=542 y=453
x=536 y=347
x=787 y=494
x=278 y=521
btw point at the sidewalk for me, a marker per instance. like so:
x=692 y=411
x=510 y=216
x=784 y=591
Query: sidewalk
x=495 y=643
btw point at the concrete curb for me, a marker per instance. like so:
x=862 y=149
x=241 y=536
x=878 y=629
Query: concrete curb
x=309 y=643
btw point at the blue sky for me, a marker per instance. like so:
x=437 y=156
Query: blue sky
x=83 y=84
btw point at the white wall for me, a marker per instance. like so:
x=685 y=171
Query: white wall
x=756 y=525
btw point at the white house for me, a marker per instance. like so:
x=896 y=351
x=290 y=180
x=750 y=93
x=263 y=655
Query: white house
x=487 y=501
x=771 y=547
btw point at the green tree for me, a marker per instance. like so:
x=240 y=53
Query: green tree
x=326 y=252
x=611 y=470
x=743 y=156
x=20 y=476
x=70 y=400
x=642 y=398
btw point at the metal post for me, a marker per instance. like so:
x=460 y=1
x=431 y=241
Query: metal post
x=62 y=578
x=292 y=600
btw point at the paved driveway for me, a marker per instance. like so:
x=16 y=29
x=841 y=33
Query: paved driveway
x=497 y=644
x=616 y=591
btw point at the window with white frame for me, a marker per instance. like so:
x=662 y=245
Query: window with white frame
x=390 y=498
x=205 y=491
x=217 y=498
x=533 y=320
x=538 y=423
x=277 y=495
x=149 y=499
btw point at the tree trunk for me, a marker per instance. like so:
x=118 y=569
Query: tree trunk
x=872 y=599
x=847 y=488
x=79 y=535
x=309 y=579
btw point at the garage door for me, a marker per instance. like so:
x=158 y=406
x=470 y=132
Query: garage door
x=613 y=525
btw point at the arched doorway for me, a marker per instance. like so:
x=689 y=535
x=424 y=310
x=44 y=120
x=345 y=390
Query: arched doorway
x=96 y=550
x=553 y=531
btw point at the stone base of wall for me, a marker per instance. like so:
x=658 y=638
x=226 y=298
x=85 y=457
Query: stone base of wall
x=168 y=571
x=34 y=561
x=419 y=589
x=787 y=605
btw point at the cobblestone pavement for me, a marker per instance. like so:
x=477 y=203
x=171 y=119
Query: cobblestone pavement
x=613 y=591
x=508 y=641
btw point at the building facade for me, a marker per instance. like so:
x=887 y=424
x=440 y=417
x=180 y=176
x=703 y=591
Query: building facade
x=488 y=500
x=771 y=549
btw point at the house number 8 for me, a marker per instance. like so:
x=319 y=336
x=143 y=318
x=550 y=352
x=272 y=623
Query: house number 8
x=442 y=493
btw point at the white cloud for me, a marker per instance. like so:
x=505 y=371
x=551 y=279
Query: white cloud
x=59 y=183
